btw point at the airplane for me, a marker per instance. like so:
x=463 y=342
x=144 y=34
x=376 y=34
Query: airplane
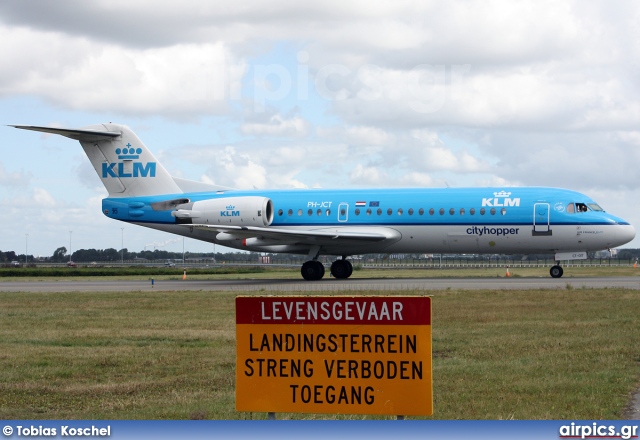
x=342 y=223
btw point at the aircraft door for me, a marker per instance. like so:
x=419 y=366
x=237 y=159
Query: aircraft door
x=343 y=212
x=541 y=213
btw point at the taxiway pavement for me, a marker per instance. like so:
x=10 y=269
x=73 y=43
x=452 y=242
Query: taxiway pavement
x=329 y=284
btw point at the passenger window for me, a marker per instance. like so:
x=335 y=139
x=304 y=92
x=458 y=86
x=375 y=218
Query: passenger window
x=452 y=211
x=328 y=212
x=357 y=211
x=421 y=211
x=399 y=211
x=482 y=211
x=279 y=211
x=410 y=211
x=319 y=212
x=441 y=211
x=503 y=211
x=379 y=211
x=299 y=212
x=369 y=211
x=310 y=212
x=493 y=211
x=431 y=211
x=461 y=211
x=389 y=211
x=472 y=211
x=290 y=212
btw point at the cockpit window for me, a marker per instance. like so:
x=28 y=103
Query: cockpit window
x=581 y=207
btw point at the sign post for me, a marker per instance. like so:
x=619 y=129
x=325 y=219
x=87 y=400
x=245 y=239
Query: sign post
x=334 y=355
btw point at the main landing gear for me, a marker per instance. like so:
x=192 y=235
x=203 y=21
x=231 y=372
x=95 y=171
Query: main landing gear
x=556 y=271
x=313 y=270
x=341 y=268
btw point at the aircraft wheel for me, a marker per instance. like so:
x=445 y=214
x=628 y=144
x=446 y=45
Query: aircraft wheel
x=341 y=269
x=320 y=270
x=349 y=268
x=312 y=270
x=556 y=271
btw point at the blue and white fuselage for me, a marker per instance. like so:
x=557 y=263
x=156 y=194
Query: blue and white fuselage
x=449 y=220
x=345 y=222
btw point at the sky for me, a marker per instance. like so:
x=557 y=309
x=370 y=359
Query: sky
x=332 y=94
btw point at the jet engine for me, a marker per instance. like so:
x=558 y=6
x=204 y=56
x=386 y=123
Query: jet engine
x=233 y=211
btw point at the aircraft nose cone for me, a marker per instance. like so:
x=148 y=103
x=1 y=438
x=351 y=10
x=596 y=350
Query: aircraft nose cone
x=625 y=234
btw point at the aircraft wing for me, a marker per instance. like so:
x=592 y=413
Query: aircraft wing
x=326 y=236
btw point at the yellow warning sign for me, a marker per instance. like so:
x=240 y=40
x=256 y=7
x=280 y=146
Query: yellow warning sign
x=340 y=355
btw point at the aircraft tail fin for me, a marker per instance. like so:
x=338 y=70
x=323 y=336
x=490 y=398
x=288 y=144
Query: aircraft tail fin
x=124 y=164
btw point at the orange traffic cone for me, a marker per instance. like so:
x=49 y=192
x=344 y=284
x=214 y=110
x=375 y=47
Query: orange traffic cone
x=508 y=274
x=184 y=275
x=635 y=264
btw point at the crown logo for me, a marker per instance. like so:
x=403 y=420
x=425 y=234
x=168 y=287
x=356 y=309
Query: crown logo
x=128 y=152
x=502 y=194
x=230 y=207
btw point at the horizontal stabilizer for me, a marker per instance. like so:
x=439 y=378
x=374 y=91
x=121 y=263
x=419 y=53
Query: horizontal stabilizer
x=79 y=135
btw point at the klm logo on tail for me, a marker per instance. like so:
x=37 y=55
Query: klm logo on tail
x=129 y=168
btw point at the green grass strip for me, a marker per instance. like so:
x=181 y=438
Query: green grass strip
x=561 y=354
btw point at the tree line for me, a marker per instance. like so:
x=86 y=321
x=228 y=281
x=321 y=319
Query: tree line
x=60 y=255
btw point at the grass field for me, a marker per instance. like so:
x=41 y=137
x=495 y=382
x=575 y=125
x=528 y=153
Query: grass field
x=562 y=354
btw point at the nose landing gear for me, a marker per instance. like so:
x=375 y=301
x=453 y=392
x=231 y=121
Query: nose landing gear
x=556 y=271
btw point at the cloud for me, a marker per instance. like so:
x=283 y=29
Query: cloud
x=472 y=63
x=238 y=170
x=178 y=80
x=557 y=96
x=341 y=94
x=251 y=164
x=367 y=176
x=595 y=160
x=15 y=178
x=358 y=136
x=278 y=126
x=43 y=199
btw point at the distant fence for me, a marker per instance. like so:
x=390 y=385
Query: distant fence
x=383 y=263
x=501 y=262
x=496 y=262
